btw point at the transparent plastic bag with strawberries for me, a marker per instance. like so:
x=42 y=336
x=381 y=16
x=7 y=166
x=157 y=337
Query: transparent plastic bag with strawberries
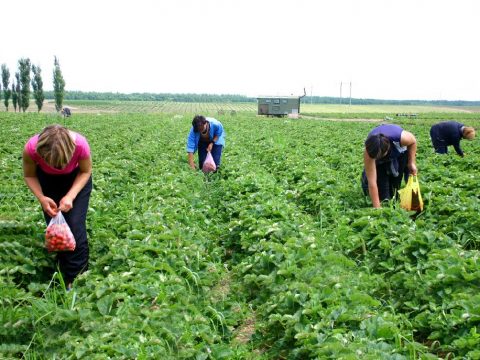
x=209 y=164
x=58 y=236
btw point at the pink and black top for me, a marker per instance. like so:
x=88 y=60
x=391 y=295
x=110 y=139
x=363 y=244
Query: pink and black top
x=82 y=152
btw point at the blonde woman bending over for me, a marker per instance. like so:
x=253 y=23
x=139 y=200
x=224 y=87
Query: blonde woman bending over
x=57 y=168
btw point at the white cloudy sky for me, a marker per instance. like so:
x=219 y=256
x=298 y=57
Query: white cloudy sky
x=402 y=49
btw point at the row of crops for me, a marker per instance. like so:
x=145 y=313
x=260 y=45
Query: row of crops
x=169 y=107
x=277 y=256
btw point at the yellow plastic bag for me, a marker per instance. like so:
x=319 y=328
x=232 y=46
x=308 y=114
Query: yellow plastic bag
x=410 y=196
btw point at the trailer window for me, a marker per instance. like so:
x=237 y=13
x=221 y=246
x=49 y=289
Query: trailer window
x=268 y=101
x=284 y=101
x=276 y=101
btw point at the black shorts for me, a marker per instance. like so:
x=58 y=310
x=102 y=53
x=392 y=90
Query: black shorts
x=71 y=263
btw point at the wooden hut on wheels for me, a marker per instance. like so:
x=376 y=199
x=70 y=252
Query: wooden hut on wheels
x=279 y=105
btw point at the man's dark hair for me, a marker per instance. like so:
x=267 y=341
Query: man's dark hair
x=197 y=122
x=377 y=146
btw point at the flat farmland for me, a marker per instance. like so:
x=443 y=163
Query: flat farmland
x=169 y=107
x=232 y=108
x=279 y=255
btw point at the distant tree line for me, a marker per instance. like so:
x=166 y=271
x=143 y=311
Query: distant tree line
x=19 y=90
x=105 y=96
x=214 y=98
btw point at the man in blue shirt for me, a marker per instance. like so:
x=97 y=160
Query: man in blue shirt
x=448 y=133
x=206 y=135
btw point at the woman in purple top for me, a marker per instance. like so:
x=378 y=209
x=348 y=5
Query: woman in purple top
x=388 y=157
x=57 y=167
x=449 y=133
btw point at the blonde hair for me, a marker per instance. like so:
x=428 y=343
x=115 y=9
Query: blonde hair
x=55 y=146
x=468 y=132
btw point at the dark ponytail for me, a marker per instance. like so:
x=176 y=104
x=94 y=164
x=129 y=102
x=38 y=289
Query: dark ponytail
x=377 y=146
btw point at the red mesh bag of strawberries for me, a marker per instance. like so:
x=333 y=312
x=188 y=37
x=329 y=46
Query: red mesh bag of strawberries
x=58 y=236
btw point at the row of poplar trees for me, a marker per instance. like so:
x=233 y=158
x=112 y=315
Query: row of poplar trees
x=19 y=92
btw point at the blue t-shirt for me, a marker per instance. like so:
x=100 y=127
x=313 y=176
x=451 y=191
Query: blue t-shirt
x=216 y=129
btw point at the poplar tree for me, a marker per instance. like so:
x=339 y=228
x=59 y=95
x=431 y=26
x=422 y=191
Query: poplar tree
x=18 y=91
x=24 y=68
x=14 y=96
x=58 y=85
x=37 y=86
x=6 y=86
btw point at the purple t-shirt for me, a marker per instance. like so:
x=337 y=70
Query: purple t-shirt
x=393 y=133
x=82 y=151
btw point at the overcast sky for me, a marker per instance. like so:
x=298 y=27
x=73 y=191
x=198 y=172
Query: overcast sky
x=402 y=49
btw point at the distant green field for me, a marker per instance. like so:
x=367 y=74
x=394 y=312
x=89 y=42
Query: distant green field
x=231 y=108
x=393 y=109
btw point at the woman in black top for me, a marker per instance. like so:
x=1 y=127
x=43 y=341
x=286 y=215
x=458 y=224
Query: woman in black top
x=449 y=133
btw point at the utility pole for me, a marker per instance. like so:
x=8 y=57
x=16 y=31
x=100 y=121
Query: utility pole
x=341 y=92
x=350 y=93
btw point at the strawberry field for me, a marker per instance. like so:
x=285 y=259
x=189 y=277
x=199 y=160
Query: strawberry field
x=277 y=256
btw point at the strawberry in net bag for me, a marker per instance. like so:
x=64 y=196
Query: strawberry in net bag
x=209 y=164
x=58 y=236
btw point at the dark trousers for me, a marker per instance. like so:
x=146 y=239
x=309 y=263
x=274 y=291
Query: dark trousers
x=71 y=263
x=438 y=143
x=202 y=153
x=388 y=184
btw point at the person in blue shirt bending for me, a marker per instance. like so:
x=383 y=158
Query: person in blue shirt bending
x=206 y=135
x=389 y=156
x=448 y=133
